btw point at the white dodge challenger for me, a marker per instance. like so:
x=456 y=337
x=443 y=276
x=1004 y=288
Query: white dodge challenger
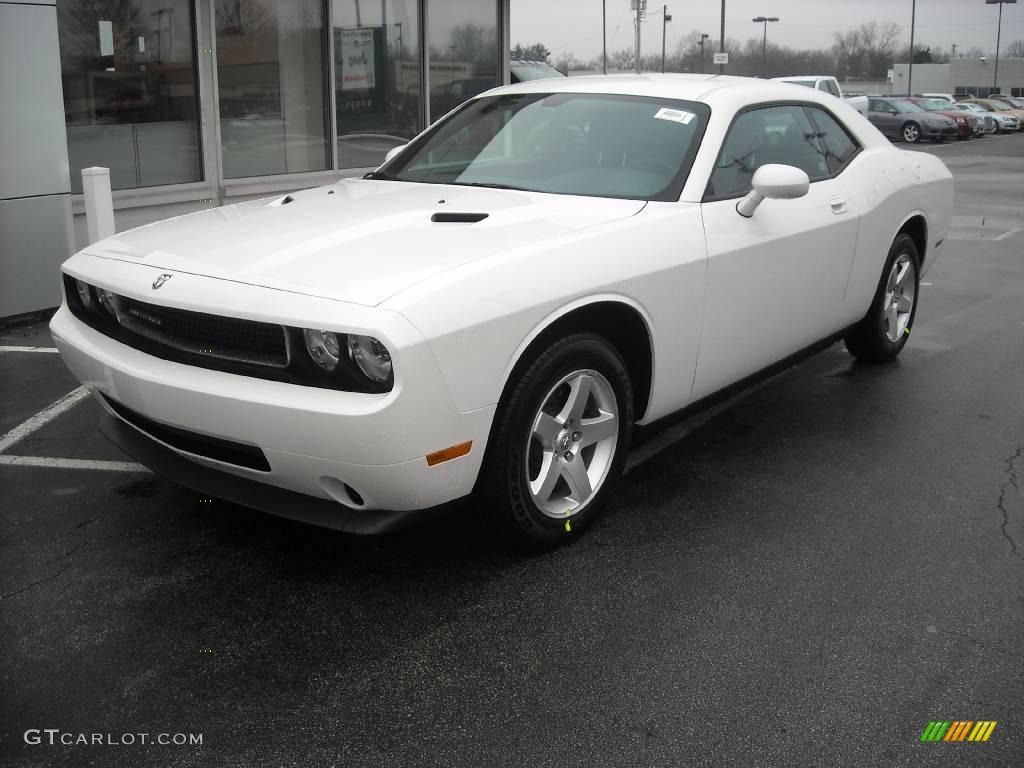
x=497 y=307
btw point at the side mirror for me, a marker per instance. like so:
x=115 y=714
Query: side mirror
x=394 y=151
x=775 y=182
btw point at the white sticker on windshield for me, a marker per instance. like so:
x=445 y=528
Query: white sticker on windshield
x=676 y=115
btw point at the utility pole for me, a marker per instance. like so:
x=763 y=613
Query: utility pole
x=604 y=38
x=665 y=19
x=764 y=41
x=953 y=54
x=639 y=11
x=721 y=40
x=910 y=69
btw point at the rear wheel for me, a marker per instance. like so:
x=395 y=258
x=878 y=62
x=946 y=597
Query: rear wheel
x=559 y=443
x=883 y=332
x=911 y=133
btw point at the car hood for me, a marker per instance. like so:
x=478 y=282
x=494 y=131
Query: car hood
x=358 y=240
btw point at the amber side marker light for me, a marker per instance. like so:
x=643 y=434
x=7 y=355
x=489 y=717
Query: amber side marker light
x=446 y=454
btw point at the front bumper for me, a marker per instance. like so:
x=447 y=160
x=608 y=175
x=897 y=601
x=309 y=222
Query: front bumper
x=939 y=132
x=315 y=441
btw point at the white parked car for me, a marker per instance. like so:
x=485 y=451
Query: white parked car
x=497 y=307
x=827 y=84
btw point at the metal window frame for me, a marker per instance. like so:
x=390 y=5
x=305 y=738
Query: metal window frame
x=213 y=187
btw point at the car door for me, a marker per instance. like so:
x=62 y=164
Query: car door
x=776 y=280
x=882 y=114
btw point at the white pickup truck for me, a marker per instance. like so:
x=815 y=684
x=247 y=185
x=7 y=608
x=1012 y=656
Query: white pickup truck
x=828 y=85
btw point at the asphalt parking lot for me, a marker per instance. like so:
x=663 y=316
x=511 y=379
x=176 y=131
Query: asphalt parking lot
x=806 y=578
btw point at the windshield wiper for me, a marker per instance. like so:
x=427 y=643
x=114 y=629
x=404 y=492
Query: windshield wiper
x=488 y=184
x=380 y=176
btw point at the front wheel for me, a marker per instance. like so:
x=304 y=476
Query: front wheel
x=559 y=443
x=883 y=332
x=911 y=133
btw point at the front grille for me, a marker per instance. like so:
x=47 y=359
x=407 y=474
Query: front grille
x=244 y=347
x=216 y=448
x=228 y=338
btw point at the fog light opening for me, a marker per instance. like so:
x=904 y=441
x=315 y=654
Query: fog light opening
x=342 y=492
x=353 y=494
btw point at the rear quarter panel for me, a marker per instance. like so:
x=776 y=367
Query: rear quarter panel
x=894 y=186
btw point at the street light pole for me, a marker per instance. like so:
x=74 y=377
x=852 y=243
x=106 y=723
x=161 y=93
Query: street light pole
x=703 y=37
x=764 y=41
x=910 y=69
x=665 y=19
x=999 y=35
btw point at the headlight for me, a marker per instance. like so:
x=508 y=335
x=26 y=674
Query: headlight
x=84 y=294
x=323 y=347
x=371 y=357
x=107 y=300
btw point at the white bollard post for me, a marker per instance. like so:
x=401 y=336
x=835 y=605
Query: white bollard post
x=99 y=205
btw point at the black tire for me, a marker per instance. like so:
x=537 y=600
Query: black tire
x=911 y=136
x=503 y=489
x=869 y=341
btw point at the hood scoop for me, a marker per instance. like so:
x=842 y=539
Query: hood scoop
x=458 y=218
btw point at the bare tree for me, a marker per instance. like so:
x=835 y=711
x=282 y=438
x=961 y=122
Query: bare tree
x=1015 y=50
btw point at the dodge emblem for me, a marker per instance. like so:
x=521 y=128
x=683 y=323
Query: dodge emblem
x=161 y=280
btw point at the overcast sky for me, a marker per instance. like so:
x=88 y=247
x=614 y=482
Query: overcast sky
x=575 y=25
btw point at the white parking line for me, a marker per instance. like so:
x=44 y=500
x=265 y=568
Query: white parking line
x=46 y=461
x=49 y=413
x=29 y=349
x=1011 y=233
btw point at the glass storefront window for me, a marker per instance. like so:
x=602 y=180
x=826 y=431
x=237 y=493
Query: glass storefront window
x=463 y=43
x=377 y=78
x=128 y=73
x=270 y=76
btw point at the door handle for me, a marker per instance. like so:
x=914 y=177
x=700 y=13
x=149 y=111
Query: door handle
x=837 y=204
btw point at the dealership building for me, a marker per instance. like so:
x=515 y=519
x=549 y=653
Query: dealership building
x=193 y=104
x=977 y=77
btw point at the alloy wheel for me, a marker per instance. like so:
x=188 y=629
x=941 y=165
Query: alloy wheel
x=900 y=294
x=572 y=443
x=911 y=133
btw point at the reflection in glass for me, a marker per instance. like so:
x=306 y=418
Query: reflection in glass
x=377 y=78
x=271 y=86
x=463 y=41
x=130 y=90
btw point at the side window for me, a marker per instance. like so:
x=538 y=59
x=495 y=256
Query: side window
x=839 y=146
x=832 y=88
x=781 y=135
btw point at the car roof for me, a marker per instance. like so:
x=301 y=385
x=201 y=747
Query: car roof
x=711 y=89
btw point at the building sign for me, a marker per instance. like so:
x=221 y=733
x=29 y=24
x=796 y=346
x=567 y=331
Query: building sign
x=358 y=65
x=721 y=58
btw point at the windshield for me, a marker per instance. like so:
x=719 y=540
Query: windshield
x=565 y=143
x=906 y=106
x=931 y=105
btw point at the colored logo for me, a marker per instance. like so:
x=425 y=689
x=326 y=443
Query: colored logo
x=958 y=730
